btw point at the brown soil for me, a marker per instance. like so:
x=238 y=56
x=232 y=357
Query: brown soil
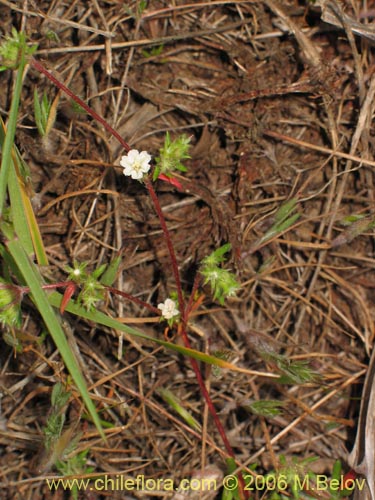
x=278 y=106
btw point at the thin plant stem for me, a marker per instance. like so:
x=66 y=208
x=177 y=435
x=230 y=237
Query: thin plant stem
x=127 y=296
x=211 y=406
x=176 y=273
x=38 y=66
x=197 y=282
x=22 y=290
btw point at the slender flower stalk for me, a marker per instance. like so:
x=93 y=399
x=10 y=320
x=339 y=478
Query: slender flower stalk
x=133 y=299
x=176 y=272
x=190 y=304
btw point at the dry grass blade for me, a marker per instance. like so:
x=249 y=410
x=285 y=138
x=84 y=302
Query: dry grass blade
x=362 y=457
x=333 y=13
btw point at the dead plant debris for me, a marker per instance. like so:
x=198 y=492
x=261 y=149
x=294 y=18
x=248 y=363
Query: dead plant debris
x=277 y=103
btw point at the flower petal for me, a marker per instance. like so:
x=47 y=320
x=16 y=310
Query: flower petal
x=136 y=163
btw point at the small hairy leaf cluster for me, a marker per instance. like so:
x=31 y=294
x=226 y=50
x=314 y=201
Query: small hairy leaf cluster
x=92 y=290
x=223 y=283
x=75 y=465
x=288 y=472
x=292 y=372
x=60 y=443
x=10 y=298
x=171 y=155
x=266 y=408
x=56 y=418
x=44 y=113
x=10 y=50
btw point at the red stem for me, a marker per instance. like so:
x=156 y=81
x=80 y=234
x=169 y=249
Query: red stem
x=212 y=409
x=206 y=395
x=127 y=296
x=37 y=65
x=176 y=273
x=197 y=281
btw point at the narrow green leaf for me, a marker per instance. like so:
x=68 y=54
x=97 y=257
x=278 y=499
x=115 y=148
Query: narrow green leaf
x=278 y=228
x=33 y=281
x=356 y=228
x=337 y=470
x=176 y=404
x=110 y=273
x=102 y=319
x=6 y=159
x=285 y=209
x=266 y=408
x=284 y=225
x=23 y=216
x=18 y=214
x=38 y=115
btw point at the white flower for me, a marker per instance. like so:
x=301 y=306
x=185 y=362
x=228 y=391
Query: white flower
x=136 y=163
x=168 y=309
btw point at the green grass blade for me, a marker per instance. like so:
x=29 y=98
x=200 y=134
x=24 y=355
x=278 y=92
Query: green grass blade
x=33 y=281
x=176 y=404
x=18 y=215
x=40 y=122
x=23 y=215
x=102 y=319
x=9 y=138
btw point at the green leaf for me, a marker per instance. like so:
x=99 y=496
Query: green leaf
x=110 y=274
x=44 y=113
x=278 y=228
x=20 y=189
x=285 y=210
x=10 y=133
x=40 y=123
x=217 y=256
x=171 y=155
x=10 y=311
x=14 y=49
x=100 y=318
x=354 y=228
x=292 y=372
x=176 y=404
x=59 y=396
x=266 y=408
x=223 y=283
x=33 y=281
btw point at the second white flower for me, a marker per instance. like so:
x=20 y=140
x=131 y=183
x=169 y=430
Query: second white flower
x=168 y=309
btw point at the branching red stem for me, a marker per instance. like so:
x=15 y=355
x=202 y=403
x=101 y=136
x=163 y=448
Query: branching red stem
x=38 y=66
x=184 y=312
x=127 y=296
